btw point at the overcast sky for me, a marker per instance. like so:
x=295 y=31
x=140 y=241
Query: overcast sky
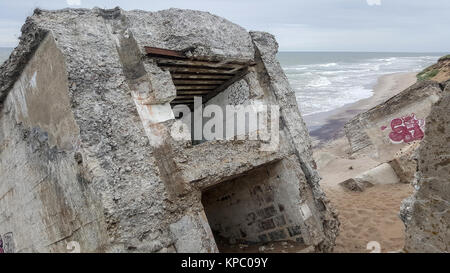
x=303 y=25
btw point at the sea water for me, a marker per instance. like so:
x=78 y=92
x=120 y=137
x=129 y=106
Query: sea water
x=324 y=81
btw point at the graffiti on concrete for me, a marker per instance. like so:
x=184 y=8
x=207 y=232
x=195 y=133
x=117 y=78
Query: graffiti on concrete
x=406 y=129
x=1 y=245
x=7 y=243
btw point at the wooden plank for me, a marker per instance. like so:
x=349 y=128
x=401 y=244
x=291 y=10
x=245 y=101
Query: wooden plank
x=163 y=52
x=198 y=70
x=196 y=87
x=186 y=66
x=195 y=81
x=190 y=92
x=182 y=101
x=185 y=97
x=200 y=76
x=168 y=62
x=224 y=86
x=242 y=62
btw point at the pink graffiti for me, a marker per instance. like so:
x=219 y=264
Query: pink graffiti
x=406 y=129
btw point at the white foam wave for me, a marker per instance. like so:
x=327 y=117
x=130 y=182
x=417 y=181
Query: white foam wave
x=329 y=85
x=328 y=65
x=319 y=82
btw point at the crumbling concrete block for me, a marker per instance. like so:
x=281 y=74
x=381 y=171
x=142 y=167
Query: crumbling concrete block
x=385 y=129
x=190 y=232
x=355 y=184
x=381 y=175
x=426 y=213
x=404 y=163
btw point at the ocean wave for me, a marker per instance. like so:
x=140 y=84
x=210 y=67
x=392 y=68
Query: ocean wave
x=319 y=82
x=385 y=59
x=309 y=104
x=328 y=65
x=325 y=86
x=297 y=68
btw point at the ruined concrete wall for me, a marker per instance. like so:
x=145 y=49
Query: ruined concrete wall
x=236 y=94
x=426 y=213
x=113 y=153
x=264 y=205
x=404 y=162
x=276 y=87
x=371 y=130
x=44 y=200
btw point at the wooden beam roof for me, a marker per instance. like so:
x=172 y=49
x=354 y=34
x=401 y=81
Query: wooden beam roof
x=198 y=76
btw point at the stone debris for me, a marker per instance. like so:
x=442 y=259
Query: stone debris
x=306 y=250
x=380 y=175
x=404 y=163
x=354 y=184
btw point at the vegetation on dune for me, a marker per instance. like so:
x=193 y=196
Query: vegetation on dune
x=431 y=71
x=444 y=58
x=427 y=74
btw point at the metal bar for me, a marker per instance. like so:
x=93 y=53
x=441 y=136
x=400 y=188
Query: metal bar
x=163 y=52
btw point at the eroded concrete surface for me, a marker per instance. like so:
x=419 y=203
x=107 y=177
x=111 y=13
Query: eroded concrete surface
x=393 y=124
x=87 y=155
x=426 y=213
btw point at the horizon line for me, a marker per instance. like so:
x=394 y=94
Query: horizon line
x=359 y=51
x=327 y=51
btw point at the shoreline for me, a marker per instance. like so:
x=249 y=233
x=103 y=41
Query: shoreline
x=325 y=126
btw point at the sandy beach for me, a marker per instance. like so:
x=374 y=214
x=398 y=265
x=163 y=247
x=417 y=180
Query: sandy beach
x=366 y=216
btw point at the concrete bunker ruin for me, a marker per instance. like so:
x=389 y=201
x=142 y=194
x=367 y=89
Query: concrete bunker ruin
x=203 y=78
x=256 y=208
x=99 y=163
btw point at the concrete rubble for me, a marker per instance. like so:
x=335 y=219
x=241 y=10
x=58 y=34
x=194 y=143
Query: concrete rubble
x=378 y=131
x=382 y=174
x=355 y=184
x=404 y=163
x=86 y=153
